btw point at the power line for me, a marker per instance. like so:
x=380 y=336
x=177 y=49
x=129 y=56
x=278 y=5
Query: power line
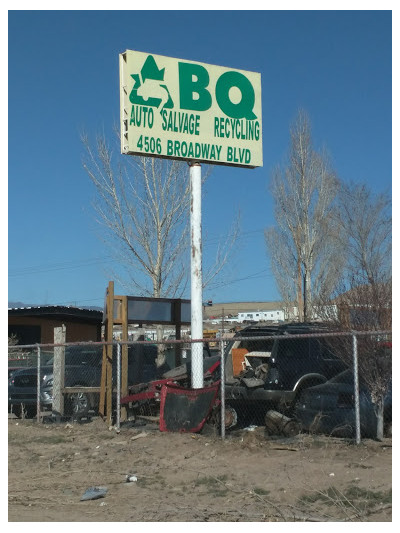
x=70 y=265
x=255 y=275
x=66 y=265
x=76 y=302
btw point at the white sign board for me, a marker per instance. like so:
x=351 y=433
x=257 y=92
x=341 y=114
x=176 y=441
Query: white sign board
x=187 y=110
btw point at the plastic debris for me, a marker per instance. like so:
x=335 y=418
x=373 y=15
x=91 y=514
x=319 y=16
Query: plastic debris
x=130 y=478
x=93 y=493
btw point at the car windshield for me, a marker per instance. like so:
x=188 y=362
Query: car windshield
x=88 y=357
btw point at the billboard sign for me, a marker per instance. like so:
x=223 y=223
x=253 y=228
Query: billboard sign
x=142 y=310
x=181 y=109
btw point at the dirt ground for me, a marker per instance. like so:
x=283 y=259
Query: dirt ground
x=248 y=477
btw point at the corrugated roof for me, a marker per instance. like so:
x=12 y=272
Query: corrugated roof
x=57 y=310
x=55 y=307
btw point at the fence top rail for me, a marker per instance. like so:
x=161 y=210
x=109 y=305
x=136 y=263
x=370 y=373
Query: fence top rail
x=81 y=343
x=207 y=340
x=304 y=335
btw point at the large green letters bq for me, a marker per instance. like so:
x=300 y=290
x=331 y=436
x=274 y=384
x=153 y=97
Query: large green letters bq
x=194 y=80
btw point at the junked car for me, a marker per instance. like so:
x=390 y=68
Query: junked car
x=83 y=366
x=330 y=408
x=267 y=367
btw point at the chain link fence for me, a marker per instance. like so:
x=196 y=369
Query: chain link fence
x=336 y=384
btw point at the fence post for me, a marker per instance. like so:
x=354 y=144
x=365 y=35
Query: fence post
x=222 y=389
x=38 y=386
x=59 y=371
x=118 y=422
x=356 y=390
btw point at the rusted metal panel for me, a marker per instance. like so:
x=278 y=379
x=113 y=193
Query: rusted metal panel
x=186 y=410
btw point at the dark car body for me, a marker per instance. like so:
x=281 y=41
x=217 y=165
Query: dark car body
x=330 y=408
x=13 y=369
x=83 y=367
x=285 y=366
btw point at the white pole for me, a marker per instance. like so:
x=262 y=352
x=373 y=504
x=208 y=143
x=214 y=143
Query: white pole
x=196 y=275
x=356 y=391
x=222 y=389
x=38 y=386
x=118 y=386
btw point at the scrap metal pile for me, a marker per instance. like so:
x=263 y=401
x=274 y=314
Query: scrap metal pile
x=181 y=408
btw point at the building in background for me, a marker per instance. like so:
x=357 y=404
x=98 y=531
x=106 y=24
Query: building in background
x=276 y=315
x=35 y=325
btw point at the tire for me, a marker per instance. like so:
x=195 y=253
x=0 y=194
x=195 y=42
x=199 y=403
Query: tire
x=30 y=411
x=78 y=404
x=231 y=418
x=296 y=401
x=17 y=410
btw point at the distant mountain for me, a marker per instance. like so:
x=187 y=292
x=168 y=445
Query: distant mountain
x=19 y=304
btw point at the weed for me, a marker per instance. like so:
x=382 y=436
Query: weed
x=325 y=497
x=261 y=492
x=358 y=493
x=213 y=485
x=209 y=480
x=353 y=496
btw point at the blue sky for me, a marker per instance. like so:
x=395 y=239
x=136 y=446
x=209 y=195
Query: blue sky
x=63 y=79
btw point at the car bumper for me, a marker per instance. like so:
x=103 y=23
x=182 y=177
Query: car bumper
x=28 y=396
x=240 y=392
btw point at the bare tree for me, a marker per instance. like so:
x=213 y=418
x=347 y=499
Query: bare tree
x=364 y=292
x=284 y=267
x=142 y=204
x=366 y=221
x=303 y=247
x=363 y=297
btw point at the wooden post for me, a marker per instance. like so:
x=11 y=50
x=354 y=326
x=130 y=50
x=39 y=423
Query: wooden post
x=103 y=382
x=59 y=371
x=177 y=319
x=105 y=404
x=124 y=356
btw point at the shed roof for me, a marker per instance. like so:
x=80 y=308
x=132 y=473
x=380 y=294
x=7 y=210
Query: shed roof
x=59 y=311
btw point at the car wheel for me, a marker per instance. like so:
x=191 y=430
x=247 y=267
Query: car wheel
x=78 y=404
x=17 y=410
x=231 y=418
x=296 y=402
x=30 y=411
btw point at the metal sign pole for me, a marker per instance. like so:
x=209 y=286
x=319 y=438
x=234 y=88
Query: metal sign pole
x=356 y=391
x=196 y=275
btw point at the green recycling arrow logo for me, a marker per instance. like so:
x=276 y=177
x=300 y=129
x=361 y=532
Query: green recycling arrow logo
x=148 y=88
